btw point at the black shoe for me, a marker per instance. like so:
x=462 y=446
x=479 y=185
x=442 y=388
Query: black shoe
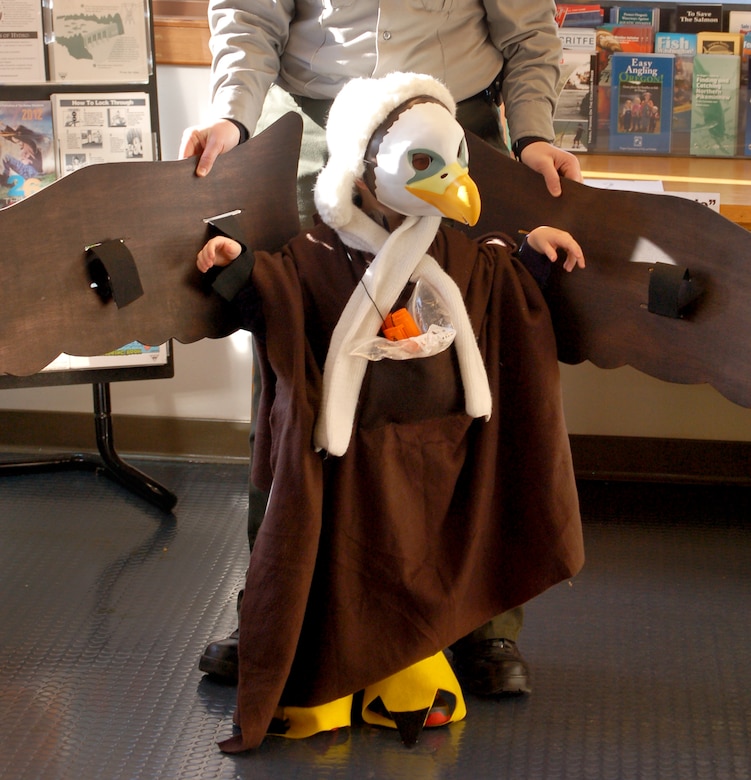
x=494 y=667
x=219 y=659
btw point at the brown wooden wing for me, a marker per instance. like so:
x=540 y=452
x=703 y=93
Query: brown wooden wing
x=47 y=305
x=602 y=313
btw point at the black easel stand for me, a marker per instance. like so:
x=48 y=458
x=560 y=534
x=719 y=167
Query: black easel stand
x=110 y=463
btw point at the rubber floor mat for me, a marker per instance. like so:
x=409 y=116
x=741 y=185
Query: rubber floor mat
x=640 y=664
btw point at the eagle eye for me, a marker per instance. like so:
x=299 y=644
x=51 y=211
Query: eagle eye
x=421 y=161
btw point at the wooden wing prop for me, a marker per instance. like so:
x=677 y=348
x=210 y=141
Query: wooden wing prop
x=133 y=230
x=667 y=287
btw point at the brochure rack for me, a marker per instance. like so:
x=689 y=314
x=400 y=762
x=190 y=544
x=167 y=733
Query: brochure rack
x=108 y=461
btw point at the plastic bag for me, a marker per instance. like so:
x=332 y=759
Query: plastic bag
x=432 y=317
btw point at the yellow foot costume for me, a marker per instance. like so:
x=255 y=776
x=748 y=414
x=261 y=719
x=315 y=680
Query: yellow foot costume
x=301 y=722
x=426 y=694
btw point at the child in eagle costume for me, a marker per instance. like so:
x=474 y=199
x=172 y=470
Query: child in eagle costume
x=410 y=430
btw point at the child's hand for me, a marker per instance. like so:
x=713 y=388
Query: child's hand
x=217 y=251
x=547 y=241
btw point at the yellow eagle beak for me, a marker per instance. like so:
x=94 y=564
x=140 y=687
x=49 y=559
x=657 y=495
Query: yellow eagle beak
x=452 y=192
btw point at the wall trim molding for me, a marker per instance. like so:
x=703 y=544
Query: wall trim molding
x=158 y=437
x=616 y=458
x=646 y=459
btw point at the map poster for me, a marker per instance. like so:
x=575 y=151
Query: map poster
x=100 y=41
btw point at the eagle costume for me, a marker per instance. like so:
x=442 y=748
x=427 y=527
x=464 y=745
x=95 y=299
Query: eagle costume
x=417 y=487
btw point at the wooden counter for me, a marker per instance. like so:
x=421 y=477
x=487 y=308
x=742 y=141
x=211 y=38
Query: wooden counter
x=731 y=178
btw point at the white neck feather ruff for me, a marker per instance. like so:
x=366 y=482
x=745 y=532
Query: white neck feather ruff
x=400 y=257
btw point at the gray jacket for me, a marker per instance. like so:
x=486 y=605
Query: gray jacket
x=312 y=47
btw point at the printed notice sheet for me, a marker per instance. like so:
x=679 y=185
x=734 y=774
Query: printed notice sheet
x=102 y=128
x=21 y=42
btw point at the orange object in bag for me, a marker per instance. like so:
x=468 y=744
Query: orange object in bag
x=400 y=325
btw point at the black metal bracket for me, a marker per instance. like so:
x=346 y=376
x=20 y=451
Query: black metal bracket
x=109 y=462
x=671 y=290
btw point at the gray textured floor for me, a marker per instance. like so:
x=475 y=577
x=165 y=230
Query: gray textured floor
x=641 y=664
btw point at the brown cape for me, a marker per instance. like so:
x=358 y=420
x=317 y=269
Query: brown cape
x=431 y=523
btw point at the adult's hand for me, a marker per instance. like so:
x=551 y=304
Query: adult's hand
x=208 y=142
x=552 y=163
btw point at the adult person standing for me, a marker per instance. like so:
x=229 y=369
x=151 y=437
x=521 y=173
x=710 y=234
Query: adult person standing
x=273 y=56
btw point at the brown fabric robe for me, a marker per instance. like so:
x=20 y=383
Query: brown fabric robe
x=432 y=522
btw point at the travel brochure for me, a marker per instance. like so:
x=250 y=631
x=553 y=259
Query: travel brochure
x=133 y=354
x=646 y=80
x=27 y=149
x=41 y=140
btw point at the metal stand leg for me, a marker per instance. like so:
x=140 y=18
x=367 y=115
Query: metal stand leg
x=110 y=464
